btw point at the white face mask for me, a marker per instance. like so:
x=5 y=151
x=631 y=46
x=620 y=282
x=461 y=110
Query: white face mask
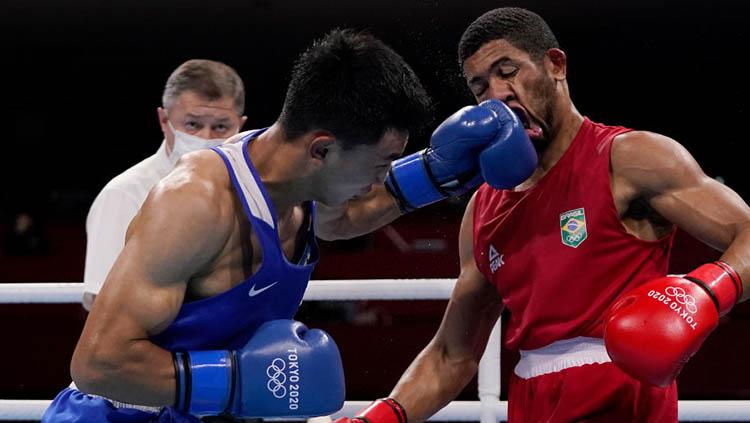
x=185 y=143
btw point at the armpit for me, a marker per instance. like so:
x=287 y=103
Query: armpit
x=642 y=221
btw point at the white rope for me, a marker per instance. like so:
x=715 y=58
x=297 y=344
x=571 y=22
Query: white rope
x=380 y=289
x=48 y=292
x=365 y=289
x=23 y=409
x=689 y=411
x=338 y=290
x=488 y=377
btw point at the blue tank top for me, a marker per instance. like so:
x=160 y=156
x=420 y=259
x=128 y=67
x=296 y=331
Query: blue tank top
x=228 y=320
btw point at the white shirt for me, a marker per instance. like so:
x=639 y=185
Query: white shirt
x=111 y=213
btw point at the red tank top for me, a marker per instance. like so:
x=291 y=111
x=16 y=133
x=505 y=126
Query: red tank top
x=557 y=252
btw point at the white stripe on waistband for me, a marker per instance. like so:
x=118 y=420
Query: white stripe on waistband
x=561 y=355
x=119 y=404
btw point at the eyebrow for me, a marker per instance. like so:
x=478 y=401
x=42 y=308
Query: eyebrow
x=192 y=116
x=497 y=63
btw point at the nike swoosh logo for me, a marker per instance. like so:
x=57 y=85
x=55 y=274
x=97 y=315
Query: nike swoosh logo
x=253 y=292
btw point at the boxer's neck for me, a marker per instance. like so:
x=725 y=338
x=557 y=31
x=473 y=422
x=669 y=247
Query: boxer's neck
x=278 y=163
x=564 y=131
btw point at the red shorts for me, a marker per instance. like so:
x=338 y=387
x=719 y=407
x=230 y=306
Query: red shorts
x=589 y=393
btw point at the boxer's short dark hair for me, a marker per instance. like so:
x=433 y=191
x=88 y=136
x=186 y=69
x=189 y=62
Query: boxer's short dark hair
x=356 y=87
x=522 y=28
x=208 y=79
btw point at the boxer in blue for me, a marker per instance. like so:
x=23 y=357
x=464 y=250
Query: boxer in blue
x=193 y=319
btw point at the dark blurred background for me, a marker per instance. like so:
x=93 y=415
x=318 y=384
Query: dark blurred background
x=82 y=80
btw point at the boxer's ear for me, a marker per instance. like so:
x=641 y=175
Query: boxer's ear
x=556 y=64
x=320 y=145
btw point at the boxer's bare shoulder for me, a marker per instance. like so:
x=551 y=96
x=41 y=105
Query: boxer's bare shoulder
x=198 y=192
x=650 y=161
x=645 y=165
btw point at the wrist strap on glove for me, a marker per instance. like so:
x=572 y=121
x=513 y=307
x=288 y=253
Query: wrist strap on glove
x=205 y=381
x=721 y=282
x=411 y=183
x=383 y=410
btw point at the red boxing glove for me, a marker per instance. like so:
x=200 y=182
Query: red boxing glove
x=384 y=410
x=653 y=331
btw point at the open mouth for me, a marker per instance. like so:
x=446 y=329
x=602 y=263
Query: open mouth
x=533 y=130
x=522 y=116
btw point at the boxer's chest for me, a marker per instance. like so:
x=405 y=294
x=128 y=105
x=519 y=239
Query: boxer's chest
x=243 y=255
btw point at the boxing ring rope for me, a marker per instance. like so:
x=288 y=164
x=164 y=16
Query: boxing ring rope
x=488 y=410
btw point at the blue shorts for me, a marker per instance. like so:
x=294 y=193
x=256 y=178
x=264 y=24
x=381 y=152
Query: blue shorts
x=73 y=406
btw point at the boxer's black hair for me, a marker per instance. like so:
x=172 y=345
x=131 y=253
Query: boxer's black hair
x=356 y=87
x=522 y=28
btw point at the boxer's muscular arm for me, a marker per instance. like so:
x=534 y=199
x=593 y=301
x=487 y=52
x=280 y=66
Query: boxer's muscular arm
x=659 y=169
x=180 y=229
x=451 y=359
x=357 y=217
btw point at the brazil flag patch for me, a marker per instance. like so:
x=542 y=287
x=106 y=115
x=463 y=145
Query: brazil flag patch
x=573 y=227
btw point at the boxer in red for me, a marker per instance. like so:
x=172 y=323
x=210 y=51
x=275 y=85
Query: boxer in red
x=577 y=253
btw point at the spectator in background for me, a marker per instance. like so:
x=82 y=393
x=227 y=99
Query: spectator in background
x=202 y=105
x=23 y=237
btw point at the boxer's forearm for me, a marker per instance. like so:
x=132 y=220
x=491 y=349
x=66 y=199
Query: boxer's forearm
x=431 y=382
x=357 y=217
x=141 y=374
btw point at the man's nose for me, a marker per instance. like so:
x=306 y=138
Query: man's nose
x=501 y=90
x=205 y=133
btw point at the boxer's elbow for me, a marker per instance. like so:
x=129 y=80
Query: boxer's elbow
x=93 y=368
x=85 y=376
x=461 y=365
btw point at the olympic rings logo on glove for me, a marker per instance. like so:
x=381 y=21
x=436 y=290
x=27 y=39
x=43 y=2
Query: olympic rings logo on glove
x=277 y=378
x=682 y=297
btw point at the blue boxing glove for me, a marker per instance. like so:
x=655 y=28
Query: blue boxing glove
x=284 y=370
x=511 y=157
x=450 y=166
